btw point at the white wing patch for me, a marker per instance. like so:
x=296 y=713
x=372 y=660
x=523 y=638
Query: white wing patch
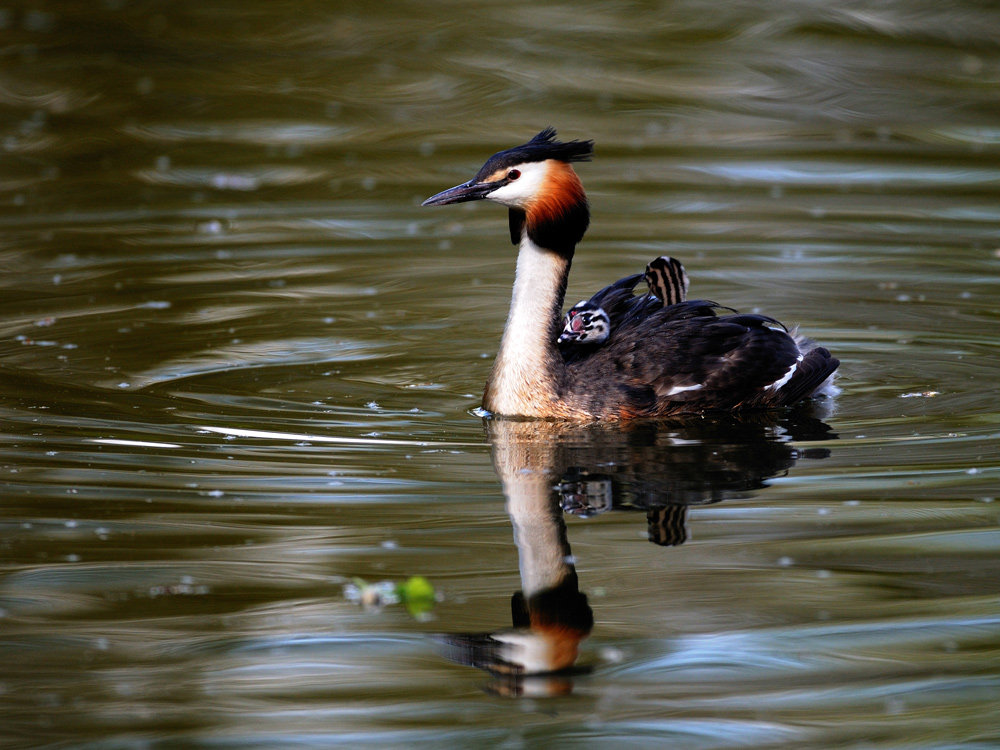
x=681 y=388
x=776 y=385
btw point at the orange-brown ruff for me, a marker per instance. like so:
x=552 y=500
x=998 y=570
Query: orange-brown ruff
x=561 y=192
x=659 y=360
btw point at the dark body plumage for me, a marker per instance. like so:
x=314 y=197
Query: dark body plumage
x=659 y=359
x=656 y=350
x=685 y=358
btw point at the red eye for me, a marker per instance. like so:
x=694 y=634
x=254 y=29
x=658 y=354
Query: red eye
x=513 y=174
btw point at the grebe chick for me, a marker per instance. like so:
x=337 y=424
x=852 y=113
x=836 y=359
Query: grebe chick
x=585 y=323
x=660 y=361
x=667 y=280
x=588 y=324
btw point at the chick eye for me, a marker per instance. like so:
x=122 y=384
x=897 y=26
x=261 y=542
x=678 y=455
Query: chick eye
x=513 y=174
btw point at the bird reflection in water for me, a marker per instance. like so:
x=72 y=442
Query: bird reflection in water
x=551 y=468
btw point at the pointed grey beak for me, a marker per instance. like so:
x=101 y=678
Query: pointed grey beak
x=469 y=191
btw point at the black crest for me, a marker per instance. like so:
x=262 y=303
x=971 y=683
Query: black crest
x=543 y=146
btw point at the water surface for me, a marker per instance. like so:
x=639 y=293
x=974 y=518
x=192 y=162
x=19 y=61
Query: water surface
x=238 y=364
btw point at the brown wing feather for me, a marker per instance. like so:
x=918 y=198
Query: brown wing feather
x=685 y=358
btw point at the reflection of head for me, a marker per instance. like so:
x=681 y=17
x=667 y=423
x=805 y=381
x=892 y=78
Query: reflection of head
x=561 y=616
x=548 y=629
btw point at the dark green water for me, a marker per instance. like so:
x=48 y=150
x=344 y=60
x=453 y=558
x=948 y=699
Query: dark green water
x=238 y=361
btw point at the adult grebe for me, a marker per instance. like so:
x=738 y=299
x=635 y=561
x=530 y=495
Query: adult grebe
x=659 y=361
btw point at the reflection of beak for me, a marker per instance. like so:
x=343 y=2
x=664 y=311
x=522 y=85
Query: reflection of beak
x=469 y=191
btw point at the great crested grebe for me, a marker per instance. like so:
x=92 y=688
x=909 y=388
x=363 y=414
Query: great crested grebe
x=660 y=360
x=588 y=324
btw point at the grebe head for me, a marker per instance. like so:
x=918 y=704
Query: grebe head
x=536 y=182
x=519 y=176
x=585 y=323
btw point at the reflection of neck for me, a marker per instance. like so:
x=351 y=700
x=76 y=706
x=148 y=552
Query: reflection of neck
x=524 y=466
x=540 y=535
x=525 y=457
x=550 y=614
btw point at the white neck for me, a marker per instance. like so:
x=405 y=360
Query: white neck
x=528 y=366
